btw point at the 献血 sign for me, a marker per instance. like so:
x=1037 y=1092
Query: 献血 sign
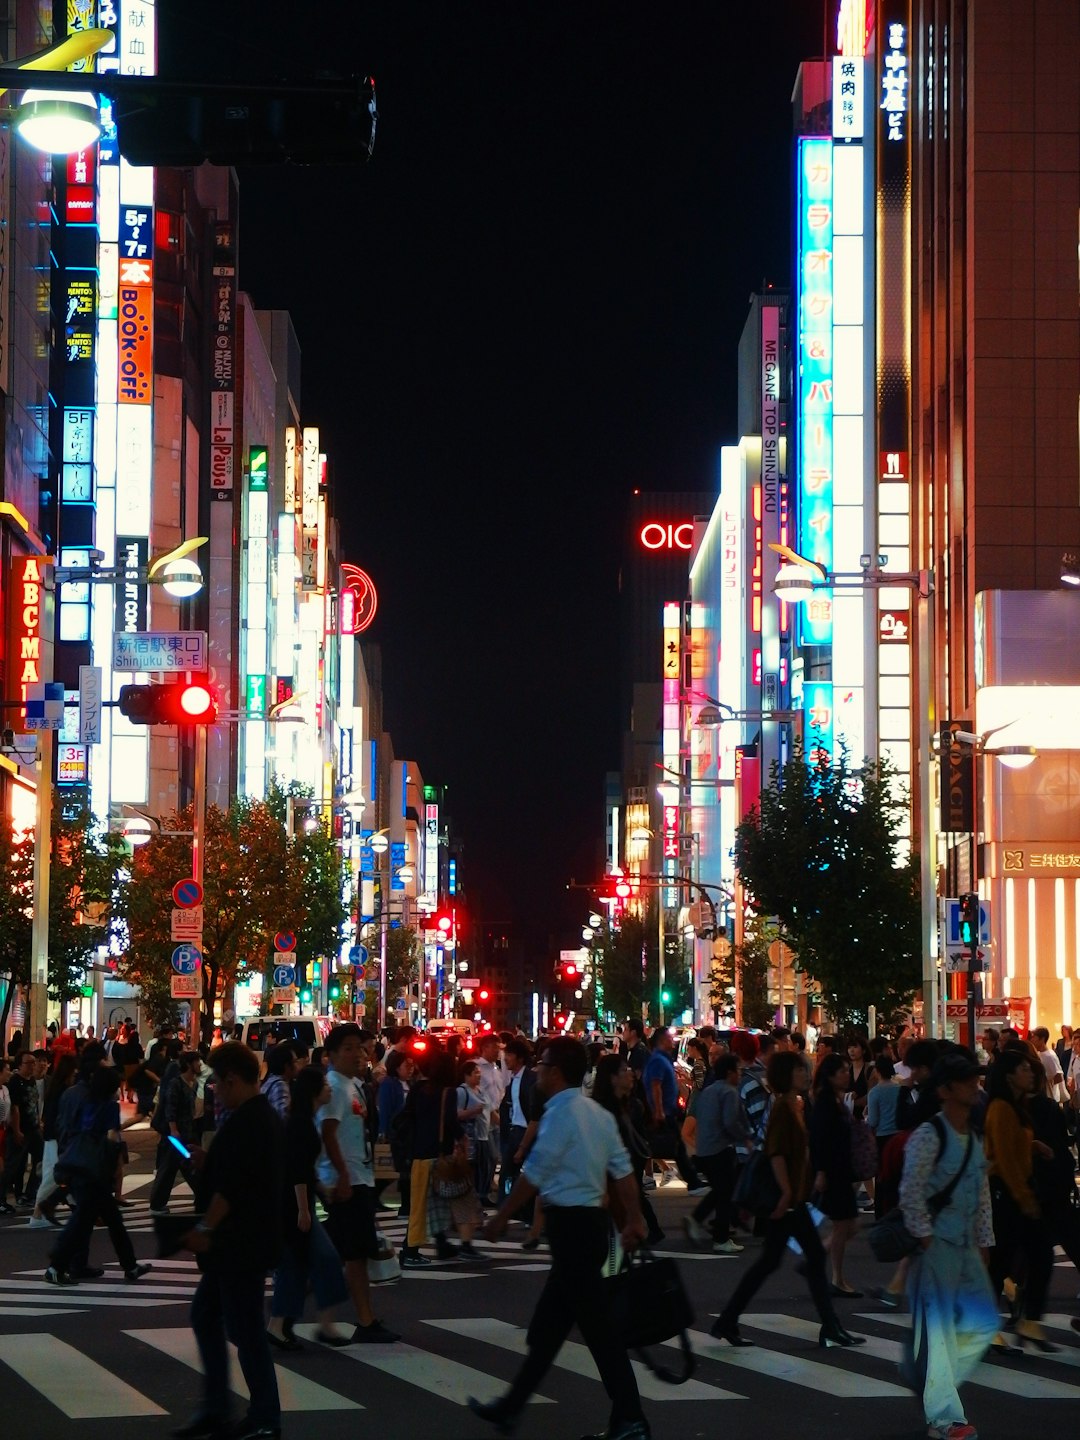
x=169 y=650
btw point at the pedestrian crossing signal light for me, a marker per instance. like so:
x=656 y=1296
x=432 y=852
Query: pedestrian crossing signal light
x=969 y=919
x=335 y=990
x=191 y=703
x=305 y=995
x=665 y=996
x=316 y=970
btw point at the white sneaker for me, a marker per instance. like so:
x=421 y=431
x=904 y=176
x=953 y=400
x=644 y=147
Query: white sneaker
x=697 y=1190
x=649 y=1182
x=39 y=1222
x=664 y=1177
x=696 y=1233
x=729 y=1247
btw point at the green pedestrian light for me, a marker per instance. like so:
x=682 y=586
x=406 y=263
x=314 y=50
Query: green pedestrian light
x=305 y=995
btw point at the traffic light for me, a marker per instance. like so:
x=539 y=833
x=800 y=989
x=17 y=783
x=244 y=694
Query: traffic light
x=305 y=995
x=483 y=993
x=334 y=991
x=665 y=996
x=444 y=923
x=969 y=919
x=316 y=970
x=569 y=971
x=192 y=703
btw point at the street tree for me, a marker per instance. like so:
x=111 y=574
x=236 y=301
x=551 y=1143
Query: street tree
x=822 y=854
x=81 y=865
x=404 y=953
x=256 y=880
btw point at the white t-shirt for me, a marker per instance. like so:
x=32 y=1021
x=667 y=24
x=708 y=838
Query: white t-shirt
x=346 y=1105
x=1055 y=1076
x=5 y=1105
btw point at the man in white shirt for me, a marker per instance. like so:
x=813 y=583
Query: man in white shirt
x=1055 y=1077
x=492 y=1084
x=345 y=1171
x=577 y=1150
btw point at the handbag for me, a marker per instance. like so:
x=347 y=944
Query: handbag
x=451 y=1174
x=864 y=1152
x=648 y=1304
x=757 y=1189
x=890 y=1240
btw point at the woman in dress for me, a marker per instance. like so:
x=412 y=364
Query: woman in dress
x=787 y=1150
x=830 y=1153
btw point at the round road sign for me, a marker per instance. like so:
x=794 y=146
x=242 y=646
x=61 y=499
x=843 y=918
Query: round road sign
x=186 y=959
x=358 y=972
x=284 y=975
x=285 y=940
x=358 y=954
x=187 y=893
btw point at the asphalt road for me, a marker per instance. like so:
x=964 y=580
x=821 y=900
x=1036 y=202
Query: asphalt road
x=117 y=1361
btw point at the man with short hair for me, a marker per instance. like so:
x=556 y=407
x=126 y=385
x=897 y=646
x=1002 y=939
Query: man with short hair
x=24 y=1142
x=175 y=1117
x=634 y=1047
x=492 y=1084
x=281 y=1067
x=577 y=1152
x=954 y=1314
x=515 y=1112
x=347 y=1176
x=237 y=1242
x=1055 y=1076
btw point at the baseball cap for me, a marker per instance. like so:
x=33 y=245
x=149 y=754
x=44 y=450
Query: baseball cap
x=952 y=1068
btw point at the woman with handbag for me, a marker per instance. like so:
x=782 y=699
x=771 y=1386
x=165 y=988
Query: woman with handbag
x=614 y=1089
x=788 y=1155
x=88 y=1166
x=439 y=1164
x=831 y=1156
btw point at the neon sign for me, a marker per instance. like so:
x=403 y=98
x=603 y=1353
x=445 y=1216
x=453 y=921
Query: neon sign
x=894 y=81
x=815 y=374
x=852 y=27
x=655 y=536
x=360 y=609
x=30 y=625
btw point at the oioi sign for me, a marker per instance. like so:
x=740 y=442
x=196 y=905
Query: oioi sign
x=655 y=535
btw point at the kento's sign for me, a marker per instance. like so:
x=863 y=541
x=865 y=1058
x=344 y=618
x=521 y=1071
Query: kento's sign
x=655 y=535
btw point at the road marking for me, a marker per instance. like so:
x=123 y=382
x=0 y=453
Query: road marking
x=435 y=1374
x=105 y=1287
x=38 y=1294
x=994 y=1375
x=296 y=1391
x=576 y=1358
x=24 y=1313
x=71 y=1381
x=825 y=1379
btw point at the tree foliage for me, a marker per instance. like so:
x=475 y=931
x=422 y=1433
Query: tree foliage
x=620 y=967
x=403 y=953
x=821 y=856
x=81 y=866
x=256 y=880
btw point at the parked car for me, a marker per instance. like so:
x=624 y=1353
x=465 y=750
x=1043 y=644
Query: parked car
x=309 y=1030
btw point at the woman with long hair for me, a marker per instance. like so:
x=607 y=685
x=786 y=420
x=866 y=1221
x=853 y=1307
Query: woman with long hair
x=830 y=1152
x=1021 y=1237
x=437 y=1132
x=613 y=1088
x=390 y=1100
x=45 y=1202
x=788 y=1153
x=308 y=1253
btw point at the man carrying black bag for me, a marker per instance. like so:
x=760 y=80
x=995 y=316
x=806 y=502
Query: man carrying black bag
x=577 y=1149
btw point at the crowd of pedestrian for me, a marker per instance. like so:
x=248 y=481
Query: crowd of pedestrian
x=290 y=1153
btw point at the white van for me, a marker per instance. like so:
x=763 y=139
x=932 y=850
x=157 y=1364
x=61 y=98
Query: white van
x=443 y=1029
x=309 y=1030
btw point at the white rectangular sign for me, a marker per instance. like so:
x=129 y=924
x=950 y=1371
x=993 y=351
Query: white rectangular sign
x=283 y=994
x=90 y=704
x=186 y=987
x=169 y=650
x=187 y=925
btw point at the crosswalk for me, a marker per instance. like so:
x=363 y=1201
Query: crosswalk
x=147 y=1368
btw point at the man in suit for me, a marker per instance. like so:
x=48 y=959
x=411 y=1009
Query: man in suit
x=515 y=1113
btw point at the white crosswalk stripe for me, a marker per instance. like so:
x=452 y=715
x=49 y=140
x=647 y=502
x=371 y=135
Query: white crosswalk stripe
x=435 y=1374
x=576 y=1358
x=75 y=1384
x=297 y=1392
x=776 y=1365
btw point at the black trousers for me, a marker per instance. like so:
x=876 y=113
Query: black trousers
x=578 y=1237
x=1023 y=1249
x=719 y=1171
x=798 y=1225
x=89 y=1200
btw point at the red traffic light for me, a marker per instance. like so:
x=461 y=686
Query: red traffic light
x=483 y=993
x=445 y=923
x=560 y=1021
x=192 y=703
x=569 y=972
x=623 y=888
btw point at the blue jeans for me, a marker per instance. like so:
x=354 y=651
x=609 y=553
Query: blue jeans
x=229 y=1304
x=315 y=1258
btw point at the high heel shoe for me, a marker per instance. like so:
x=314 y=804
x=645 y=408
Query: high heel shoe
x=829 y=1339
x=1030 y=1332
x=729 y=1330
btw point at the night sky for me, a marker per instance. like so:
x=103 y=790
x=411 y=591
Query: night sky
x=528 y=304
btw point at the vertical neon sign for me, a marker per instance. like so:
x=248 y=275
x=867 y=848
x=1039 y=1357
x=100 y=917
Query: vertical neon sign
x=815 y=381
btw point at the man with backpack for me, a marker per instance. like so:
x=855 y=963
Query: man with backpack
x=946 y=1203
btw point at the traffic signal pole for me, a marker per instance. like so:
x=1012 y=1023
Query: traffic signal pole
x=198 y=857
